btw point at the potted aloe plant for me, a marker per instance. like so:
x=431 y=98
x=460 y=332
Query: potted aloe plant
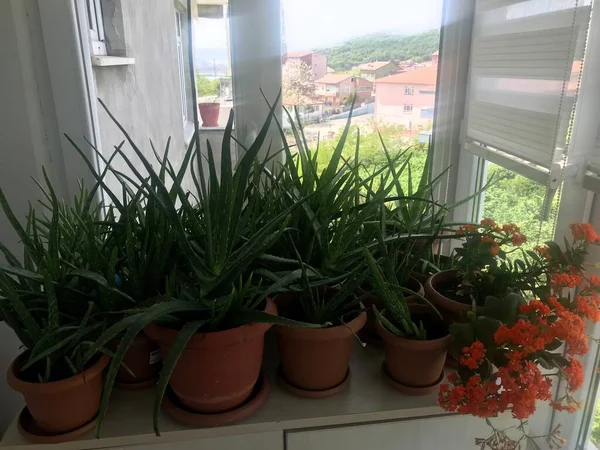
x=51 y=305
x=410 y=332
x=211 y=321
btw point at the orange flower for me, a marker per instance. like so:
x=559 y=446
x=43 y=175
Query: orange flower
x=519 y=239
x=490 y=224
x=472 y=356
x=564 y=280
x=494 y=248
x=467 y=228
x=588 y=306
x=584 y=231
x=543 y=251
x=535 y=307
x=594 y=280
x=574 y=373
x=510 y=228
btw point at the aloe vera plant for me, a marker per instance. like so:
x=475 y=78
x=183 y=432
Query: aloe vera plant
x=51 y=304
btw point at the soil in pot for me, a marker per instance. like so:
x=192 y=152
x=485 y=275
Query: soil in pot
x=143 y=359
x=414 y=363
x=62 y=405
x=317 y=359
x=441 y=289
x=217 y=371
x=210 y=114
x=369 y=331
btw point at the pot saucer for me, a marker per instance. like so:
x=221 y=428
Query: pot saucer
x=286 y=385
x=176 y=410
x=36 y=435
x=136 y=385
x=410 y=390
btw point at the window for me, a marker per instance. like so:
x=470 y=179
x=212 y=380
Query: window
x=181 y=65
x=408 y=90
x=408 y=109
x=94 y=12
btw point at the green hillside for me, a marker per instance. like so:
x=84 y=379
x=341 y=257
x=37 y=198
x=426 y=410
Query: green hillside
x=382 y=47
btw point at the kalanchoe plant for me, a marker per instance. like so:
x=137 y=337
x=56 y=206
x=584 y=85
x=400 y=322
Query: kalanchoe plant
x=501 y=352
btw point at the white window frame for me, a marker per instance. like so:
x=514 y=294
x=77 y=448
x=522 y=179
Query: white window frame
x=408 y=108
x=96 y=24
x=181 y=65
x=409 y=90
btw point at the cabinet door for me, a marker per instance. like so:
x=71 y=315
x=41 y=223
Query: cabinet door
x=272 y=440
x=447 y=433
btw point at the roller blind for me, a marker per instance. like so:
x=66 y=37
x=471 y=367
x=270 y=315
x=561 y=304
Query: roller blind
x=523 y=80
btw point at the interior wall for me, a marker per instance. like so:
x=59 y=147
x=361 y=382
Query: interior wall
x=29 y=140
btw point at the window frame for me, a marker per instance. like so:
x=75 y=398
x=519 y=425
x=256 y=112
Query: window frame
x=408 y=108
x=179 y=35
x=96 y=26
x=409 y=90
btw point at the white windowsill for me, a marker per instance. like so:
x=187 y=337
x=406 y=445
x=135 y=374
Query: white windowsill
x=106 y=61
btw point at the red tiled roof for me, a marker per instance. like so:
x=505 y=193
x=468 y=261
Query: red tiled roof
x=374 y=65
x=298 y=54
x=425 y=75
x=334 y=78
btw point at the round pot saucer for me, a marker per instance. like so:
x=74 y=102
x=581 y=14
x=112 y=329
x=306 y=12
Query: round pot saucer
x=30 y=430
x=176 y=410
x=309 y=393
x=136 y=385
x=410 y=390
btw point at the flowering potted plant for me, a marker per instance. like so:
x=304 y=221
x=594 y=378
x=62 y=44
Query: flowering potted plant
x=483 y=268
x=501 y=350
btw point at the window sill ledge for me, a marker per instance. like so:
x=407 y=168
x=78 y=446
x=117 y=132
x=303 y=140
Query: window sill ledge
x=106 y=61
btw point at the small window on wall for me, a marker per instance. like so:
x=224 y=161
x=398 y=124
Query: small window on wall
x=408 y=109
x=408 y=90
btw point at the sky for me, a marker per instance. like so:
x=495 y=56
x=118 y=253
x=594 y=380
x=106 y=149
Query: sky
x=317 y=23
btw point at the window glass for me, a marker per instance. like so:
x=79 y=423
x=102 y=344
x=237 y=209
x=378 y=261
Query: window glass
x=378 y=63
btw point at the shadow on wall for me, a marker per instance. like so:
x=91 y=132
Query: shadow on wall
x=10 y=401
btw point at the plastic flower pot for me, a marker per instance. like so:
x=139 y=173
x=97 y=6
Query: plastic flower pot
x=64 y=405
x=217 y=371
x=210 y=114
x=440 y=282
x=317 y=359
x=416 y=366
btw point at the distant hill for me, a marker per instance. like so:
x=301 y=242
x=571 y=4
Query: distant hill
x=382 y=47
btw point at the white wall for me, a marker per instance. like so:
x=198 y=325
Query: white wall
x=29 y=140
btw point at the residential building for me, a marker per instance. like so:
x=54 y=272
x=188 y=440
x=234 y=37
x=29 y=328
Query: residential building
x=316 y=62
x=434 y=57
x=377 y=69
x=407 y=98
x=333 y=88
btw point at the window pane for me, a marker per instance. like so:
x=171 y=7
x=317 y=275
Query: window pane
x=513 y=198
x=387 y=64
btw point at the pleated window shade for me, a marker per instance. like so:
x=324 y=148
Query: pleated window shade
x=523 y=79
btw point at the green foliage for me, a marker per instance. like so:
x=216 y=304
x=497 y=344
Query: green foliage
x=381 y=47
x=595 y=437
x=206 y=87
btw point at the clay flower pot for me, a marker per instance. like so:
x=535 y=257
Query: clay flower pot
x=317 y=359
x=210 y=114
x=412 y=363
x=370 y=328
x=217 y=371
x=143 y=359
x=443 y=280
x=61 y=406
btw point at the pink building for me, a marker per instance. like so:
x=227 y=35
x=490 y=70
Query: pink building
x=333 y=88
x=407 y=98
x=316 y=62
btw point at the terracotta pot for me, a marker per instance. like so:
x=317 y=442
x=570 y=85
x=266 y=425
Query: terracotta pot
x=217 y=371
x=370 y=327
x=444 y=280
x=210 y=114
x=143 y=359
x=411 y=362
x=64 y=405
x=317 y=359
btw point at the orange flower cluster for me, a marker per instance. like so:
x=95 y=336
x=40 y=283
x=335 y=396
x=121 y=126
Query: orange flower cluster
x=565 y=280
x=584 y=231
x=473 y=356
x=543 y=251
x=495 y=247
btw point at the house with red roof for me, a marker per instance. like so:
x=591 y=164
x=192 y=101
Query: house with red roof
x=377 y=69
x=315 y=61
x=407 y=98
x=333 y=88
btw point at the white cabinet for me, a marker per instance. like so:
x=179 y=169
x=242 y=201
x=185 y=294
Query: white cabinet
x=447 y=433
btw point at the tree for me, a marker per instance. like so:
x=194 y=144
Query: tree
x=206 y=87
x=298 y=83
